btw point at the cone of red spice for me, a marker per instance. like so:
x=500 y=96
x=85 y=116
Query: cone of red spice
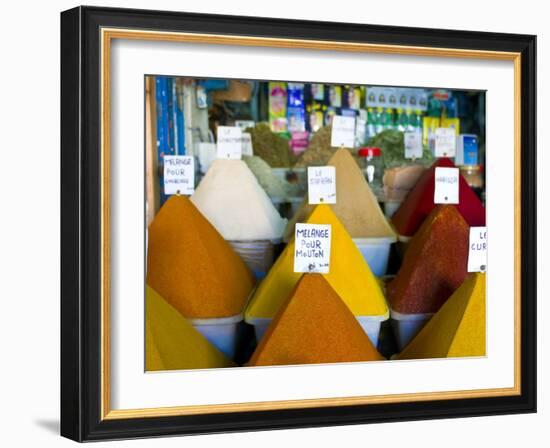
x=420 y=202
x=314 y=326
x=435 y=263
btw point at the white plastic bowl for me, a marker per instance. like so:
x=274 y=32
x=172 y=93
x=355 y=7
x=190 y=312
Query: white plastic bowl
x=221 y=332
x=258 y=255
x=370 y=324
x=376 y=252
x=406 y=326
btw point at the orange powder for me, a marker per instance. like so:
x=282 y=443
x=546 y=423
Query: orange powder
x=435 y=263
x=192 y=266
x=314 y=326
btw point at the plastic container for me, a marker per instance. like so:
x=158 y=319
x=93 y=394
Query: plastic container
x=221 y=332
x=258 y=255
x=370 y=324
x=406 y=326
x=376 y=252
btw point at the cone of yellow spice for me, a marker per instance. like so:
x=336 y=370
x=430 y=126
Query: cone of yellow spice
x=171 y=342
x=192 y=266
x=313 y=326
x=457 y=329
x=349 y=276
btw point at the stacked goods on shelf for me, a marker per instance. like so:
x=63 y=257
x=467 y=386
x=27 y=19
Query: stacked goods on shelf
x=400 y=180
x=400 y=173
x=457 y=329
x=197 y=272
x=358 y=210
x=319 y=150
x=350 y=276
x=313 y=326
x=172 y=343
x=434 y=266
x=392 y=144
x=231 y=198
x=271 y=147
x=419 y=203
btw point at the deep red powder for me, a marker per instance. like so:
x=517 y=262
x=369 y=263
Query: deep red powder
x=435 y=264
x=420 y=202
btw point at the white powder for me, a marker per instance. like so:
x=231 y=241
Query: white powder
x=231 y=198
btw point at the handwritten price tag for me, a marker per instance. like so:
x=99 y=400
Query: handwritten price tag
x=477 y=255
x=321 y=184
x=413 y=145
x=446 y=186
x=445 y=142
x=343 y=131
x=312 y=248
x=179 y=175
x=229 y=142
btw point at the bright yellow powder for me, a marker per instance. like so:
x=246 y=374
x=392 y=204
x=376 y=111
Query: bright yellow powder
x=356 y=205
x=457 y=329
x=171 y=342
x=349 y=276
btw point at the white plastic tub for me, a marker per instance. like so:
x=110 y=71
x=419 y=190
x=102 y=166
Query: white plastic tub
x=258 y=255
x=376 y=252
x=406 y=326
x=260 y=325
x=370 y=324
x=221 y=332
x=404 y=239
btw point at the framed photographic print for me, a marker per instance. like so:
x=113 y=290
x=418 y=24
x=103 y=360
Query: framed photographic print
x=276 y=224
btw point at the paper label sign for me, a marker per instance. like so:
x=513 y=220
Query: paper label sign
x=321 y=181
x=477 y=254
x=312 y=248
x=343 y=131
x=445 y=142
x=229 y=142
x=446 y=186
x=413 y=145
x=247 y=149
x=179 y=175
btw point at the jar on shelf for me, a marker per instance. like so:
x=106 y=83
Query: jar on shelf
x=372 y=165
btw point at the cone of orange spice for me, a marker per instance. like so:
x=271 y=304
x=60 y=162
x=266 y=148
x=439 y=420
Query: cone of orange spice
x=192 y=266
x=314 y=326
